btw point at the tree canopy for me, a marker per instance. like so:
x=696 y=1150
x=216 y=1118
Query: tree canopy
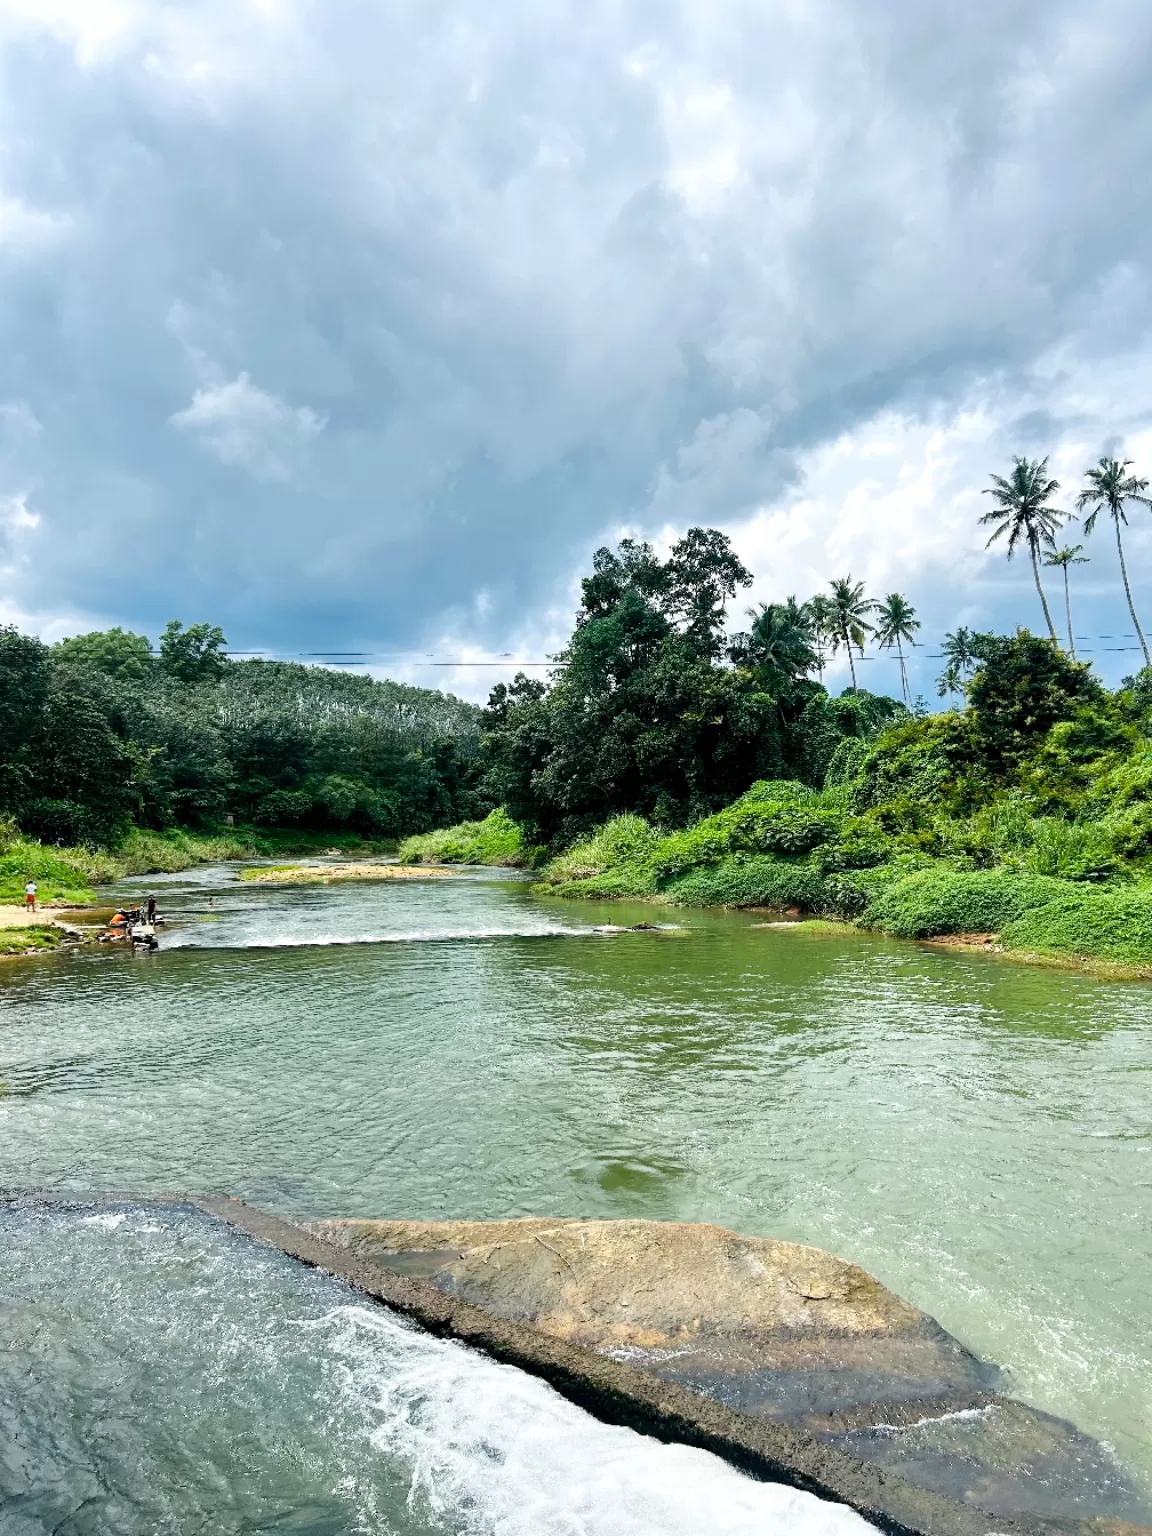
x=99 y=732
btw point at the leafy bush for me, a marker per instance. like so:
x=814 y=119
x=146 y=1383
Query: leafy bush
x=1086 y=923
x=495 y=840
x=940 y=900
x=1023 y=687
x=762 y=881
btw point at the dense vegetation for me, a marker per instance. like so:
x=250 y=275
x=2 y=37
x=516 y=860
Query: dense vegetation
x=652 y=710
x=669 y=761
x=1027 y=815
x=664 y=758
x=98 y=735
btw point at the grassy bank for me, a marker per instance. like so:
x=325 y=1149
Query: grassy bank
x=69 y=874
x=495 y=840
x=31 y=940
x=784 y=846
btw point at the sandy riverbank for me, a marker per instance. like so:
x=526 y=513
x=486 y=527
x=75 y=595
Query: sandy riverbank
x=13 y=916
x=324 y=874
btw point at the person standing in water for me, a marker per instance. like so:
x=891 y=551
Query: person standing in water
x=150 y=910
x=30 y=896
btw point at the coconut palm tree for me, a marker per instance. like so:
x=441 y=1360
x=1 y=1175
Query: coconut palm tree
x=1108 y=489
x=898 y=622
x=1022 y=512
x=820 y=611
x=1063 y=558
x=782 y=638
x=848 y=611
x=961 y=659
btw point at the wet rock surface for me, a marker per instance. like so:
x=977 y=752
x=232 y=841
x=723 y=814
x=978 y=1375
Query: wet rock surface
x=779 y=1331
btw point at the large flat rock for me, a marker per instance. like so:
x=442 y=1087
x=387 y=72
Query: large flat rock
x=774 y=1329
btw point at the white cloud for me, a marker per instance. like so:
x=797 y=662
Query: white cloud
x=18 y=424
x=239 y=423
x=807 y=271
x=24 y=228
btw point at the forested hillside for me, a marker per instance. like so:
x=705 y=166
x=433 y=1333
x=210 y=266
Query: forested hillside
x=98 y=734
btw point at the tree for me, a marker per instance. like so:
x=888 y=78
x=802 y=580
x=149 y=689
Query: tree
x=1063 y=558
x=820 y=610
x=115 y=652
x=24 y=677
x=961 y=654
x=689 y=590
x=898 y=622
x=701 y=573
x=781 y=640
x=1022 y=688
x=192 y=655
x=848 y=618
x=1022 y=512
x=1108 y=489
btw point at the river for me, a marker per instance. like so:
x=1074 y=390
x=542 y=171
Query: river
x=975 y=1133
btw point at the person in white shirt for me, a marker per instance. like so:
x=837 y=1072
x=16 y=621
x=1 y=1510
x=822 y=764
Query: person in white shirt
x=30 y=896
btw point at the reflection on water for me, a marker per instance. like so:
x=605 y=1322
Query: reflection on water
x=974 y=1133
x=160 y=1374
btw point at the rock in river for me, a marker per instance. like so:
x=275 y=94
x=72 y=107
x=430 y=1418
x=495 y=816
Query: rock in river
x=778 y=1330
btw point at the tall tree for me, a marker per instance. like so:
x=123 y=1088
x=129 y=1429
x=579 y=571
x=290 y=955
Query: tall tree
x=961 y=655
x=1062 y=559
x=195 y=654
x=781 y=639
x=897 y=623
x=1107 y=490
x=820 y=610
x=848 y=618
x=117 y=652
x=1023 y=513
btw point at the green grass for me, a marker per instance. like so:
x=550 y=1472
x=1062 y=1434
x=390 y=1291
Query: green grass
x=69 y=874
x=495 y=840
x=762 y=881
x=18 y=941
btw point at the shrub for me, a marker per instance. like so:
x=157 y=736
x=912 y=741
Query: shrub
x=495 y=840
x=758 y=882
x=934 y=901
x=1082 y=922
x=627 y=840
x=1023 y=687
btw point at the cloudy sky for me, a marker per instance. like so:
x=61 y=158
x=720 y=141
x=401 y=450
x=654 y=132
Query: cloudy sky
x=357 y=324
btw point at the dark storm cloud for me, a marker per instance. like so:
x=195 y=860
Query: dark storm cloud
x=339 y=323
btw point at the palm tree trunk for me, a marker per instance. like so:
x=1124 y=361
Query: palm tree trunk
x=1128 y=594
x=903 y=672
x=851 y=663
x=1068 y=611
x=1043 y=599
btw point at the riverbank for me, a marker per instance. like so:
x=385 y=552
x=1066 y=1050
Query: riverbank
x=330 y=874
x=67 y=876
x=40 y=936
x=787 y=848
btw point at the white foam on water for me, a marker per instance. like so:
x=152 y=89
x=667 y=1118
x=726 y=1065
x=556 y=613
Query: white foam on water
x=505 y=1453
x=224 y=939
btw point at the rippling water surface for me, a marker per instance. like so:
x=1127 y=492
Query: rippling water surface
x=975 y=1133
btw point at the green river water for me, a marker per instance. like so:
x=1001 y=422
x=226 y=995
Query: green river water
x=975 y=1133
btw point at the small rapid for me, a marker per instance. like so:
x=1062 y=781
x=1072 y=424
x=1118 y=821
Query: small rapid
x=161 y=1373
x=230 y=913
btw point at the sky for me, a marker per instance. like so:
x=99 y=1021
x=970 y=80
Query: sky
x=357 y=325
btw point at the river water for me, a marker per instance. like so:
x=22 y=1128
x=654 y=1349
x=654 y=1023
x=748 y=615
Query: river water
x=975 y=1133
